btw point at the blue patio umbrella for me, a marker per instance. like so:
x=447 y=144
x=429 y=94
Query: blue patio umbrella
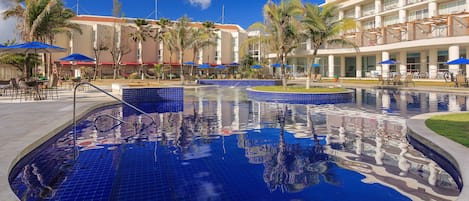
x=256 y=66
x=389 y=61
x=315 y=65
x=277 y=65
x=32 y=47
x=204 y=66
x=77 y=57
x=221 y=67
x=233 y=64
x=458 y=61
x=189 y=63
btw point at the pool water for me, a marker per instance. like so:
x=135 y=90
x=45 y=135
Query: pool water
x=216 y=145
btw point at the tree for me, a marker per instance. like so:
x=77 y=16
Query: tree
x=142 y=33
x=101 y=47
x=118 y=48
x=321 y=27
x=202 y=37
x=41 y=20
x=180 y=34
x=282 y=29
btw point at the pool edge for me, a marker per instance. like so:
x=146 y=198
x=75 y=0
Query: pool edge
x=454 y=152
x=7 y=194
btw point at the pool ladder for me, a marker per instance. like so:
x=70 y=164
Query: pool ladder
x=75 y=152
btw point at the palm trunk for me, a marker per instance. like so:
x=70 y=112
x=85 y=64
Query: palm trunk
x=181 y=71
x=284 y=72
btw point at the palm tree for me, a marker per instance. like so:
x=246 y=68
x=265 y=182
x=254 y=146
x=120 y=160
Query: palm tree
x=143 y=32
x=32 y=14
x=321 y=27
x=41 y=20
x=180 y=33
x=202 y=38
x=282 y=29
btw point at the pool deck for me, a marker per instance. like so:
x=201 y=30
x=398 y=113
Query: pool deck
x=28 y=124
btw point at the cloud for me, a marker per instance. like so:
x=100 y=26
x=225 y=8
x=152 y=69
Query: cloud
x=204 y=4
x=7 y=27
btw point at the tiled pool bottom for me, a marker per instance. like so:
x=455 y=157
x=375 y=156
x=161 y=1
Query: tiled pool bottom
x=216 y=169
x=225 y=148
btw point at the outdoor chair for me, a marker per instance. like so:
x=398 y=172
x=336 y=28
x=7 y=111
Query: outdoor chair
x=317 y=78
x=5 y=87
x=396 y=80
x=460 y=81
x=24 y=90
x=408 y=79
x=381 y=80
x=52 y=89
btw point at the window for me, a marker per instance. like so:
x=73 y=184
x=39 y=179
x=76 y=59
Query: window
x=417 y=14
x=349 y=13
x=393 y=19
x=389 y=4
x=452 y=7
x=368 y=9
x=369 y=24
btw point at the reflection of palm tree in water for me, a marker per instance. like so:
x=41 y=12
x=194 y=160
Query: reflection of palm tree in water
x=293 y=168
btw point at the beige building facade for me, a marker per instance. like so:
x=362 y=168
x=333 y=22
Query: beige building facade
x=98 y=31
x=421 y=35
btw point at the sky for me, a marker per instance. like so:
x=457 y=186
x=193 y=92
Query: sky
x=241 y=12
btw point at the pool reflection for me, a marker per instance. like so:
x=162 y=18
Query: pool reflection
x=292 y=147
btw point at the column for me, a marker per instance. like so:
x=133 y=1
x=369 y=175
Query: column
x=402 y=16
x=341 y=14
x=377 y=7
x=432 y=63
x=331 y=66
x=359 y=67
x=403 y=102
x=432 y=102
x=453 y=105
x=386 y=100
x=379 y=67
x=423 y=103
x=453 y=53
x=423 y=62
x=358 y=11
x=342 y=66
x=467 y=8
x=467 y=56
x=402 y=63
x=432 y=8
x=385 y=67
x=358 y=96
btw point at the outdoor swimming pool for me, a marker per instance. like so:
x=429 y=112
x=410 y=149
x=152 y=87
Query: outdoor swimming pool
x=217 y=145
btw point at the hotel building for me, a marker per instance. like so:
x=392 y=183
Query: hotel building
x=421 y=35
x=99 y=31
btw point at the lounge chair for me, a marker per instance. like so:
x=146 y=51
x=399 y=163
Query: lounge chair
x=381 y=80
x=317 y=78
x=408 y=79
x=460 y=81
x=396 y=80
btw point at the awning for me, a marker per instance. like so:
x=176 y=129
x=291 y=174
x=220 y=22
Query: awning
x=130 y=63
x=76 y=63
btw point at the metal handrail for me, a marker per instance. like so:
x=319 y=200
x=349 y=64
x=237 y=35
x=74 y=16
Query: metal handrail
x=105 y=92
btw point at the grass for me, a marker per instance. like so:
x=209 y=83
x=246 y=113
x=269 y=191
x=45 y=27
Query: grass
x=452 y=126
x=299 y=89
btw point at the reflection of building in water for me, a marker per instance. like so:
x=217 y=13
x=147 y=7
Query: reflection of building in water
x=385 y=156
x=358 y=137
